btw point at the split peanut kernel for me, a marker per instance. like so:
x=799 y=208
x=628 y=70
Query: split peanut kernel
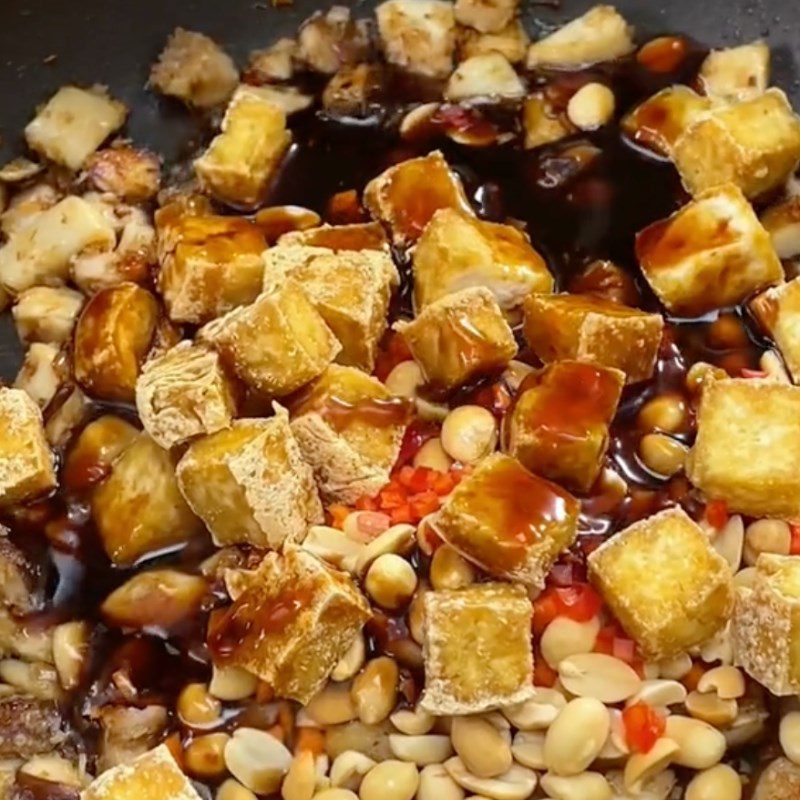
x=436 y=784
x=712 y=709
x=349 y=768
x=352 y=661
x=481 y=746
x=789 y=736
x=667 y=413
x=577 y=736
x=528 y=749
x=726 y=681
x=586 y=786
x=421 y=750
x=450 y=570
x=591 y=107
x=257 y=760
x=718 y=783
x=600 y=676
x=301 y=779
x=205 y=756
x=390 y=780
x=766 y=536
x=517 y=783
x=662 y=455
x=469 y=433
x=642 y=767
x=232 y=683
x=433 y=456
x=333 y=705
x=374 y=690
x=412 y=723
x=405 y=379
x=391 y=581
x=196 y=707
x=336 y=794
x=565 y=637
x=538 y=712
x=233 y=790
x=700 y=745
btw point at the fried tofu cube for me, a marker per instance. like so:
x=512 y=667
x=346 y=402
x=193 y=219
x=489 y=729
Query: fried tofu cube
x=782 y=223
x=591 y=329
x=292 y=625
x=418 y=35
x=330 y=40
x=18 y=578
x=353 y=90
x=709 y=254
x=250 y=484
x=543 y=124
x=349 y=428
x=779 y=781
x=406 y=196
x=275 y=345
x=73 y=124
x=509 y=522
x=47 y=313
x=754 y=144
x=40 y=375
x=457 y=250
x=778 y=312
x=478 y=653
x=747 y=450
x=486 y=16
x=489 y=75
x=242 y=160
x=736 y=73
x=512 y=42
x=132 y=174
x=665 y=583
x=601 y=34
x=459 y=337
x=152 y=776
x=138 y=509
x=358 y=236
x=209 y=264
x=272 y=64
x=26 y=463
x=184 y=393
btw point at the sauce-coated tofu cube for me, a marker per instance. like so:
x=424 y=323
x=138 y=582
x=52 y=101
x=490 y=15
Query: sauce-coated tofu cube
x=459 y=337
x=184 y=393
x=665 y=583
x=747 y=450
x=782 y=223
x=42 y=373
x=512 y=42
x=349 y=428
x=754 y=144
x=543 y=123
x=487 y=75
x=406 y=196
x=250 y=484
x=487 y=16
x=736 y=73
x=591 y=329
x=358 y=236
x=478 y=653
x=275 y=345
x=558 y=427
x=457 y=250
x=709 y=254
x=778 y=312
x=291 y=625
x=26 y=463
x=509 y=522
x=47 y=313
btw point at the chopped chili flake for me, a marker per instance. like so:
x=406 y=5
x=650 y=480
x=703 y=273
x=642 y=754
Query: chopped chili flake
x=613 y=642
x=794 y=546
x=579 y=602
x=643 y=727
x=754 y=373
x=717 y=514
x=543 y=673
x=394 y=352
x=338 y=514
x=692 y=677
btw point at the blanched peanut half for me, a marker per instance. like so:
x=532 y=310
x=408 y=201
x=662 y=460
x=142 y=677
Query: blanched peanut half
x=789 y=735
x=390 y=780
x=336 y=794
x=712 y=709
x=615 y=747
x=727 y=682
x=729 y=542
x=564 y=637
x=349 y=768
x=55 y=769
x=333 y=546
x=469 y=433
x=433 y=456
x=662 y=454
x=450 y=570
x=641 y=767
x=233 y=790
x=766 y=536
x=436 y=784
x=675 y=668
x=600 y=676
x=516 y=784
x=332 y=705
x=528 y=749
x=232 y=683
x=70 y=649
x=745 y=578
x=301 y=779
x=659 y=692
x=718 y=783
x=416 y=615
x=577 y=736
x=351 y=662
x=667 y=413
x=538 y=712
x=391 y=581
x=398 y=539
x=257 y=760
x=481 y=746
x=591 y=107
x=421 y=750
x=718 y=648
x=196 y=707
x=700 y=745
x=586 y=786
x=405 y=379
x=205 y=756
x=374 y=690
x=412 y=723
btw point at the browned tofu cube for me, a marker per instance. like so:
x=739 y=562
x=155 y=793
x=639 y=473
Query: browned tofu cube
x=209 y=264
x=358 y=236
x=132 y=174
x=478 y=653
x=558 y=427
x=250 y=484
x=709 y=254
x=459 y=337
x=26 y=463
x=665 y=583
x=736 y=73
x=754 y=144
x=782 y=223
x=327 y=40
x=779 y=781
x=778 y=312
x=42 y=374
x=487 y=16
x=112 y=338
x=47 y=313
x=292 y=624
x=747 y=450
x=407 y=195
x=184 y=393
x=349 y=428
x=511 y=42
x=543 y=123
x=138 y=509
x=487 y=75
x=19 y=578
x=591 y=329
x=275 y=345
x=509 y=522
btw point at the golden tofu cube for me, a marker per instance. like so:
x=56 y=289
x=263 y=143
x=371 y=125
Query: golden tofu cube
x=209 y=264
x=591 y=329
x=250 y=484
x=47 y=313
x=41 y=374
x=754 y=144
x=558 y=426
x=242 y=160
x=26 y=463
x=184 y=393
x=406 y=196
x=543 y=124
x=486 y=16
x=138 y=509
x=152 y=776
x=349 y=428
x=782 y=223
x=457 y=250
x=736 y=73
x=275 y=345
x=747 y=450
x=331 y=39
x=112 y=338
x=779 y=781
x=778 y=312
x=292 y=625
x=665 y=583
x=358 y=236
x=512 y=42
x=509 y=522
x=478 y=653
x=132 y=174
x=709 y=254
x=487 y=75
x=459 y=337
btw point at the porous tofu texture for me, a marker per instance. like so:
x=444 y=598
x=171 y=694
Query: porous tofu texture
x=418 y=35
x=358 y=236
x=736 y=73
x=487 y=75
x=511 y=523
x=754 y=144
x=292 y=624
x=42 y=373
x=782 y=222
x=349 y=428
x=778 y=312
x=26 y=463
x=477 y=648
x=591 y=329
x=47 y=313
x=457 y=251
x=250 y=484
x=512 y=42
x=665 y=583
x=242 y=160
x=406 y=196
x=486 y=16
x=747 y=450
x=779 y=781
x=459 y=337
x=275 y=345
x=710 y=254
x=558 y=426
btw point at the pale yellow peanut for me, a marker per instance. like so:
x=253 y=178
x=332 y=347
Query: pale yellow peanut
x=196 y=707
x=789 y=735
x=718 y=783
x=301 y=779
x=433 y=456
x=205 y=755
x=538 y=712
x=667 y=413
x=591 y=107
x=600 y=676
x=712 y=709
x=390 y=780
x=565 y=637
x=528 y=749
x=421 y=750
x=517 y=783
x=391 y=581
x=481 y=746
x=436 y=784
x=232 y=683
x=231 y=789
x=700 y=745
x=412 y=723
x=257 y=760
x=374 y=690
x=335 y=794
x=675 y=668
x=70 y=650
x=662 y=454
x=351 y=662
x=416 y=615
x=577 y=736
x=469 y=433
x=332 y=705
x=349 y=768
x=405 y=379
x=642 y=767
x=586 y=786
x=450 y=570
x=729 y=542
x=766 y=536
x=726 y=681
